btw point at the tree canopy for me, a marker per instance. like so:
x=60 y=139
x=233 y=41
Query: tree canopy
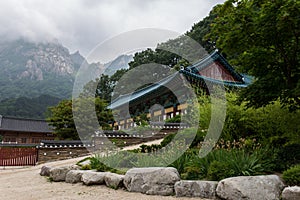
x=62 y=119
x=262 y=37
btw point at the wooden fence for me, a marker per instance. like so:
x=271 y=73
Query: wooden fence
x=18 y=156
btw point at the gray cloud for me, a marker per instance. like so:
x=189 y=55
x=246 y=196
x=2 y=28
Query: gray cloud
x=82 y=24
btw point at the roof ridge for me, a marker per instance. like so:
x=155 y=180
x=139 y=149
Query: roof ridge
x=20 y=118
x=145 y=88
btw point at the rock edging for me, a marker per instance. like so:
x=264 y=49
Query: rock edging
x=166 y=181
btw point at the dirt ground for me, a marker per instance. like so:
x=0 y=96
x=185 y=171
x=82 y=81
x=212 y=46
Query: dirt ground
x=25 y=183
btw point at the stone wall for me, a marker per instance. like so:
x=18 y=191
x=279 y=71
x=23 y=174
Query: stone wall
x=46 y=154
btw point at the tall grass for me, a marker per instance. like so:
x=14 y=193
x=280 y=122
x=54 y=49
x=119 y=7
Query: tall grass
x=221 y=163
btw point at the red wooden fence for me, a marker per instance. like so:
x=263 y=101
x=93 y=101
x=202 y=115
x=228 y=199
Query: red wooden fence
x=16 y=156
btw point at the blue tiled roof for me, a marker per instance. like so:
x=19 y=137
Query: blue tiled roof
x=215 y=56
x=191 y=71
x=123 y=99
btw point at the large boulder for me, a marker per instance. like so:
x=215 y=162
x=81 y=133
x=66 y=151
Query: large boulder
x=93 y=178
x=74 y=176
x=59 y=173
x=153 y=180
x=250 y=187
x=203 y=189
x=45 y=171
x=113 y=180
x=291 y=193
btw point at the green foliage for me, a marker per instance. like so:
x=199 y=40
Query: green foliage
x=167 y=53
x=181 y=163
x=111 y=161
x=61 y=117
x=292 y=175
x=49 y=179
x=201 y=29
x=219 y=170
x=1 y=138
x=271 y=124
x=176 y=119
x=204 y=111
x=141 y=121
x=104 y=86
x=86 y=167
x=24 y=107
x=167 y=140
x=97 y=164
x=287 y=156
x=61 y=120
x=220 y=164
x=262 y=39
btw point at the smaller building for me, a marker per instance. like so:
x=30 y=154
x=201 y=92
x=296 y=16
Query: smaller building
x=24 y=131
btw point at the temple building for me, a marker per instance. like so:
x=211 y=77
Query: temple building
x=24 y=131
x=159 y=102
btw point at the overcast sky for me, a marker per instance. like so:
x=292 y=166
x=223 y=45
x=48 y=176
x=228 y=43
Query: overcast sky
x=82 y=24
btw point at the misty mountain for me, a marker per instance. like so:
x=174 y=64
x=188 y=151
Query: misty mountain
x=31 y=70
x=121 y=62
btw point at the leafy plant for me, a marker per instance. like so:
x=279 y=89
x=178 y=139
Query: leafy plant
x=86 y=167
x=176 y=119
x=219 y=170
x=181 y=163
x=287 y=156
x=167 y=140
x=236 y=163
x=292 y=175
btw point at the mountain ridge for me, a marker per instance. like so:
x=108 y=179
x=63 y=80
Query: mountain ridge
x=31 y=70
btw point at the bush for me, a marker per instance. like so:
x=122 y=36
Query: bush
x=292 y=175
x=188 y=135
x=197 y=168
x=219 y=170
x=182 y=161
x=176 y=119
x=221 y=163
x=86 y=167
x=98 y=163
x=167 y=140
x=287 y=156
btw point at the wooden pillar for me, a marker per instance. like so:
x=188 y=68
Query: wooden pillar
x=174 y=110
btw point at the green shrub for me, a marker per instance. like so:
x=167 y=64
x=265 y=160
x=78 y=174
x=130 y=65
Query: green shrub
x=104 y=163
x=245 y=164
x=182 y=161
x=219 y=170
x=86 y=167
x=167 y=140
x=198 y=138
x=292 y=175
x=176 y=119
x=287 y=156
x=197 y=168
x=98 y=165
x=236 y=163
